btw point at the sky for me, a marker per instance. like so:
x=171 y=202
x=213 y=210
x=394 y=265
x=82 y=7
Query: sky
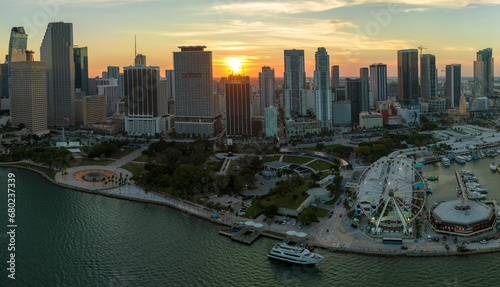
x=254 y=33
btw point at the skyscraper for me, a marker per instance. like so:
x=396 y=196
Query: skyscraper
x=295 y=84
x=4 y=86
x=453 y=85
x=484 y=74
x=140 y=59
x=266 y=88
x=81 y=69
x=113 y=72
x=194 y=99
x=357 y=93
x=363 y=74
x=428 y=77
x=335 y=77
x=169 y=74
x=322 y=90
x=29 y=95
x=57 y=53
x=141 y=88
x=408 y=92
x=271 y=115
x=378 y=81
x=238 y=107
x=18 y=43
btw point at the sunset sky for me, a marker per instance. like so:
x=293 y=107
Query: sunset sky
x=356 y=33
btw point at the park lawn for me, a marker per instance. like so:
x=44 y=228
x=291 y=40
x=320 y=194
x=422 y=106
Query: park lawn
x=216 y=166
x=321 y=165
x=271 y=158
x=252 y=211
x=295 y=203
x=88 y=161
x=296 y=159
x=48 y=171
x=135 y=168
x=320 y=212
x=119 y=154
x=142 y=158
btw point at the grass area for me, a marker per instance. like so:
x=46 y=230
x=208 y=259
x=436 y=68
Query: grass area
x=295 y=203
x=135 y=168
x=296 y=159
x=216 y=166
x=142 y=158
x=88 y=161
x=50 y=172
x=120 y=154
x=320 y=212
x=331 y=202
x=252 y=211
x=271 y=158
x=320 y=165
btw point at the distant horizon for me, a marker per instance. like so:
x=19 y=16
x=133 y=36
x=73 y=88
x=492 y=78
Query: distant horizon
x=254 y=33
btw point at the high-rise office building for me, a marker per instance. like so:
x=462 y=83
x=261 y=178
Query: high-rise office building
x=484 y=74
x=29 y=95
x=238 y=106
x=363 y=74
x=335 y=77
x=266 y=89
x=357 y=93
x=120 y=85
x=57 y=53
x=453 y=85
x=408 y=92
x=295 y=84
x=113 y=72
x=428 y=77
x=4 y=86
x=141 y=88
x=109 y=88
x=91 y=109
x=169 y=74
x=378 y=81
x=322 y=89
x=140 y=59
x=194 y=100
x=18 y=43
x=81 y=58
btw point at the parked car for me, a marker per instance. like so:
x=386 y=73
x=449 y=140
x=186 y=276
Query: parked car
x=484 y=241
x=404 y=247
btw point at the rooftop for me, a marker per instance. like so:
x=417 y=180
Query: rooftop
x=447 y=212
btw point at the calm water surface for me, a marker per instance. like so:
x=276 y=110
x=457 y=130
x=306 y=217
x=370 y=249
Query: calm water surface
x=68 y=238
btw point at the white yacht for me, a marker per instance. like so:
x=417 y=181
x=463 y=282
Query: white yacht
x=445 y=161
x=294 y=254
x=475 y=195
x=460 y=159
x=493 y=166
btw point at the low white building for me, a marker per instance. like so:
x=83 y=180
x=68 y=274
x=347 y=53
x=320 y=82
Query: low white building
x=370 y=120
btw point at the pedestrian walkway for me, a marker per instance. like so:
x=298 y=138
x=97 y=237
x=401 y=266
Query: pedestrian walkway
x=126 y=159
x=281 y=157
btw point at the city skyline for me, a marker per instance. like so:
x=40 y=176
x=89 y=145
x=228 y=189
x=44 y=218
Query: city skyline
x=356 y=33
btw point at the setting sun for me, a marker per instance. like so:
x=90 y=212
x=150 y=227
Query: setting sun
x=235 y=64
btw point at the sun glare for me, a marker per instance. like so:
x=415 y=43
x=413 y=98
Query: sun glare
x=235 y=64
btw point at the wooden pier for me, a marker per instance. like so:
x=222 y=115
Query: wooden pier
x=247 y=236
x=461 y=184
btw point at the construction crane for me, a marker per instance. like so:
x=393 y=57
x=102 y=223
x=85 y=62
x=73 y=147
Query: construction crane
x=421 y=48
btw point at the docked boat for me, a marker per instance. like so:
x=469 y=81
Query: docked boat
x=470 y=178
x=445 y=161
x=460 y=159
x=476 y=195
x=294 y=254
x=467 y=157
x=493 y=166
x=478 y=189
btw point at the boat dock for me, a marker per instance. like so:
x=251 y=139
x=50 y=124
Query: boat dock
x=247 y=236
x=461 y=184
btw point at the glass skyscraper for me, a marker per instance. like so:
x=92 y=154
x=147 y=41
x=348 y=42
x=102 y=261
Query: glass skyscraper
x=484 y=74
x=428 y=77
x=266 y=88
x=18 y=44
x=295 y=84
x=378 y=81
x=322 y=89
x=57 y=53
x=453 y=86
x=81 y=69
x=408 y=92
x=238 y=106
